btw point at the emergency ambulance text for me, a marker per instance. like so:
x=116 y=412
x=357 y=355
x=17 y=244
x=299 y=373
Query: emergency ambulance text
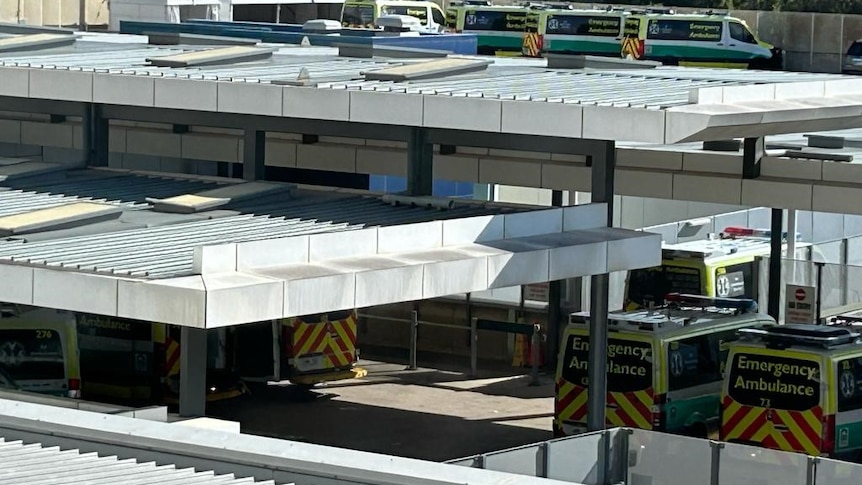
x=804 y=376
x=640 y=356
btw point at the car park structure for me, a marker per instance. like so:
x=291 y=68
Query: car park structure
x=430 y=109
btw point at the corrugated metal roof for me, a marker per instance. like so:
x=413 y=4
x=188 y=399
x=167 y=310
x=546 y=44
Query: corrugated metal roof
x=653 y=88
x=133 y=60
x=31 y=464
x=146 y=244
x=511 y=79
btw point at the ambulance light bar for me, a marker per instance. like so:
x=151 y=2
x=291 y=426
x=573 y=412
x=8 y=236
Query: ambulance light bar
x=748 y=232
x=746 y=305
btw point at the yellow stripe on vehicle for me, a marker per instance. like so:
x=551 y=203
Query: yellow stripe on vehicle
x=309 y=338
x=631 y=411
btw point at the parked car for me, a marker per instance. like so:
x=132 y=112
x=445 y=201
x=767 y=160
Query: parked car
x=853 y=59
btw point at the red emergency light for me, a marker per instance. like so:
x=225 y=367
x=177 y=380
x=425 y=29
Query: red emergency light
x=735 y=231
x=746 y=231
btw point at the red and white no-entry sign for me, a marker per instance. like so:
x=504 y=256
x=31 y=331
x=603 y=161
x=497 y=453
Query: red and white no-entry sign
x=801 y=307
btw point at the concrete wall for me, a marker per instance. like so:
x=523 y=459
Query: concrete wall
x=812 y=41
x=65 y=13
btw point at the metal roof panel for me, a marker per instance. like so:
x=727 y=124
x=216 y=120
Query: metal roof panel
x=32 y=463
x=148 y=247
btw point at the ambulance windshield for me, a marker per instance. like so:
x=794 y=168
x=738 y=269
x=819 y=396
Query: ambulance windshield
x=770 y=381
x=652 y=284
x=630 y=363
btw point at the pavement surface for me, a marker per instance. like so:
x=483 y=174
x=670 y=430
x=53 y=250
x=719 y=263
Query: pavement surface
x=428 y=413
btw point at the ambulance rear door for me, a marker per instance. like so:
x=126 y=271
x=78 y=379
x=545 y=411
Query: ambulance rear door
x=774 y=398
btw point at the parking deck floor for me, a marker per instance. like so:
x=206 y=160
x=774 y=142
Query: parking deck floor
x=431 y=414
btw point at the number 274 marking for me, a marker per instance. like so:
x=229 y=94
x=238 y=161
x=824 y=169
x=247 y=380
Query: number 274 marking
x=43 y=334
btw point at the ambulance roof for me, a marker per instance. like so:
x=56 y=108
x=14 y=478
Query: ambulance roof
x=671 y=322
x=831 y=339
x=711 y=250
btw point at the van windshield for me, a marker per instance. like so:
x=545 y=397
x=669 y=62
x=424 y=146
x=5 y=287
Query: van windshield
x=771 y=381
x=652 y=284
x=357 y=15
x=32 y=354
x=855 y=49
x=630 y=363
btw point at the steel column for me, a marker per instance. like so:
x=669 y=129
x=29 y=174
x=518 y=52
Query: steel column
x=603 y=163
x=555 y=302
x=420 y=163
x=775 y=243
x=101 y=138
x=752 y=153
x=254 y=154
x=193 y=371
x=94 y=133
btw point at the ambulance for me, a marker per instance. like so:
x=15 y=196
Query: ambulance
x=39 y=350
x=797 y=388
x=499 y=29
x=364 y=13
x=665 y=365
x=723 y=265
x=135 y=362
x=710 y=39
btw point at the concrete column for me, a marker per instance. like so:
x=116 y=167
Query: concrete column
x=193 y=371
x=254 y=155
x=420 y=163
x=603 y=163
x=95 y=136
x=775 y=240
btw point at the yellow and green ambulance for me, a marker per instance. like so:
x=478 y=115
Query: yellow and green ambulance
x=795 y=388
x=665 y=365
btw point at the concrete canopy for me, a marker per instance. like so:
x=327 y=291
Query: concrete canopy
x=663 y=105
x=274 y=253
x=273 y=278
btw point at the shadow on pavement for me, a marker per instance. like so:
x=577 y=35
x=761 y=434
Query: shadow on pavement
x=316 y=417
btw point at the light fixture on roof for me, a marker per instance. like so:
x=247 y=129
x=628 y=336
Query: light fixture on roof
x=692 y=227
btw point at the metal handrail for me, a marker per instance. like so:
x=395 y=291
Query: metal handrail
x=473 y=328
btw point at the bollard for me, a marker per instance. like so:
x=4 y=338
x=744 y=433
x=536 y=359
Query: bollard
x=414 y=339
x=534 y=355
x=474 y=347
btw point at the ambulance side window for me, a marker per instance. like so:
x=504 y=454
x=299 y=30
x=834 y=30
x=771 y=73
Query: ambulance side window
x=849 y=384
x=735 y=281
x=693 y=361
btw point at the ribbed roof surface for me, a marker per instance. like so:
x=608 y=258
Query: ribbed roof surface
x=648 y=88
x=34 y=464
x=148 y=244
x=509 y=79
